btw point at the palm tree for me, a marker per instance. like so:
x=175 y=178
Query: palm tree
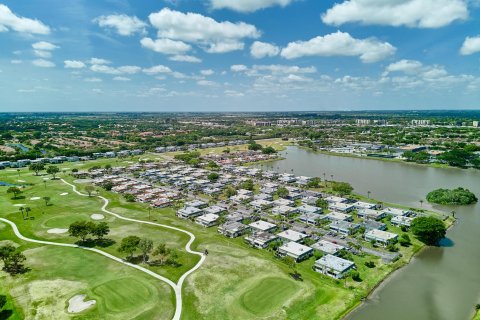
x=421 y=203
x=27 y=210
x=368 y=194
x=453 y=213
x=21 y=210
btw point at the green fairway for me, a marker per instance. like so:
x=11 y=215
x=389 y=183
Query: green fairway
x=116 y=292
x=268 y=295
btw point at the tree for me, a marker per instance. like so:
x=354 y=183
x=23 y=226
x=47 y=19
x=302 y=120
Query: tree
x=355 y=275
x=230 y=191
x=254 y=146
x=162 y=252
x=47 y=200
x=27 y=210
x=36 y=167
x=81 y=229
x=282 y=192
x=15 y=190
x=22 y=210
x=269 y=150
x=458 y=196
x=314 y=183
x=13 y=264
x=89 y=189
x=247 y=185
x=429 y=230
x=146 y=246
x=213 y=176
x=322 y=203
x=342 y=188
x=6 y=251
x=108 y=185
x=129 y=197
x=3 y=301
x=53 y=170
x=129 y=245
x=100 y=230
x=404 y=240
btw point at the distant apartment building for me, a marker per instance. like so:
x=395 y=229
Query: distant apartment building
x=363 y=122
x=476 y=124
x=421 y=122
x=256 y=123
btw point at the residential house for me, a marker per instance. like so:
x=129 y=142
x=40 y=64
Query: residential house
x=233 y=229
x=295 y=250
x=333 y=266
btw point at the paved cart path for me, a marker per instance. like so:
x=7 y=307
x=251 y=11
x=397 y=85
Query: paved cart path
x=177 y=287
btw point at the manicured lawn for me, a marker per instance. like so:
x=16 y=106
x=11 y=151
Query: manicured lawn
x=267 y=295
x=235 y=282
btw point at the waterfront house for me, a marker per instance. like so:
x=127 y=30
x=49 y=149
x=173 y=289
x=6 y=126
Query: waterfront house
x=371 y=214
x=402 y=221
x=333 y=266
x=380 y=236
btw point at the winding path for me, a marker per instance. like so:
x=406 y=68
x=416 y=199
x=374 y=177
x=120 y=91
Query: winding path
x=177 y=287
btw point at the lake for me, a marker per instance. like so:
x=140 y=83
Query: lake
x=440 y=283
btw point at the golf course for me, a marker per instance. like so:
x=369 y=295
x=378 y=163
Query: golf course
x=234 y=281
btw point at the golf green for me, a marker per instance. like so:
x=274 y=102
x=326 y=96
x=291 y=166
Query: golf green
x=268 y=295
x=116 y=293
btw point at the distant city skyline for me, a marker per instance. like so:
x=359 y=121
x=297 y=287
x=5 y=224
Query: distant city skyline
x=234 y=55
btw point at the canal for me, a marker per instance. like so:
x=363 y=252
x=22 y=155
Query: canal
x=440 y=283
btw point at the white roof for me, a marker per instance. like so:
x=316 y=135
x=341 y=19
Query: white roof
x=209 y=217
x=379 y=234
x=327 y=246
x=338 y=216
x=396 y=211
x=335 y=199
x=335 y=263
x=292 y=235
x=262 y=225
x=295 y=248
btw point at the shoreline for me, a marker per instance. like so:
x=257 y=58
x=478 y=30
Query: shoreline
x=345 y=155
x=389 y=277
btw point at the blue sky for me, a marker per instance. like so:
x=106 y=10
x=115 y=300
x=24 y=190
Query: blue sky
x=239 y=55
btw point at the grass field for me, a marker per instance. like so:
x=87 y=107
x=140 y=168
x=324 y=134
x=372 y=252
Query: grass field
x=235 y=282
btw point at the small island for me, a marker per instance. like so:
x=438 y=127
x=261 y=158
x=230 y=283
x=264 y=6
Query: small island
x=458 y=196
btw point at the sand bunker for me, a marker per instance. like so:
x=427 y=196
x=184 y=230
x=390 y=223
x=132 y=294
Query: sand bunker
x=21 y=181
x=57 y=231
x=97 y=216
x=19 y=205
x=46 y=178
x=77 y=303
x=64 y=194
x=35 y=198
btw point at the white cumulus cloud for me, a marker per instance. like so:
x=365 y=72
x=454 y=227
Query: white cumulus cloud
x=123 y=24
x=410 y=13
x=74 y=64
x=157 y=69
x=166 y=46
x=43 y=63
x=247 y=5
x=406 y=66
x=471 y=45
x=260 y=50
x=43 y=45
x=184 y=58
x=213 y=36
x=9 y=20
x=340 y=44
x=98 y=61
